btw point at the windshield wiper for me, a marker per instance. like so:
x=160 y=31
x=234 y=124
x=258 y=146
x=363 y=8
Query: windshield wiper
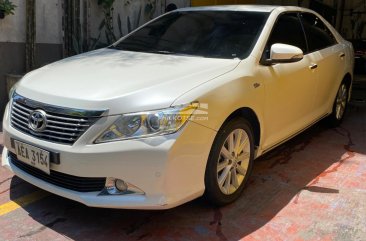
x=161 y=52
x=165 y=52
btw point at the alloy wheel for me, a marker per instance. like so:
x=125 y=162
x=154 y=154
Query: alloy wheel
x=341 y=101
x=233 y=161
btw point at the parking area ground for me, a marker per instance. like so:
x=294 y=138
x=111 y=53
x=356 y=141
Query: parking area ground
x=311 y=188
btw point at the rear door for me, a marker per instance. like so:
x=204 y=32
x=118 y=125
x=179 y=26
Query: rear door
x=328 y=56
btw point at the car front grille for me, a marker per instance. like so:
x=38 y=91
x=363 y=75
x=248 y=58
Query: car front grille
x=63 y=126
x=79 y=184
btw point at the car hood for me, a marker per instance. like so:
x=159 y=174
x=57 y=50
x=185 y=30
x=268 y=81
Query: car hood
x=120 y=81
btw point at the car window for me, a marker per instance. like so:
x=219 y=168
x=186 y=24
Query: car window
x=287 y=30
x=215 y=34
x=317 y=33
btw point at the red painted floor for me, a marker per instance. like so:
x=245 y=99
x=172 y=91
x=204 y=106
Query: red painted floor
x=311 y=188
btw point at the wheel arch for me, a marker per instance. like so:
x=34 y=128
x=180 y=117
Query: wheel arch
x=248 y=114
x=348 y=79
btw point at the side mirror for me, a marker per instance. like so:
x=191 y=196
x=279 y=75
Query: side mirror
x=284 y=53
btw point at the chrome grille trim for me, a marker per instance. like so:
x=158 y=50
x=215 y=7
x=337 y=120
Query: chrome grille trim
x=64 y=125
x=67 y=124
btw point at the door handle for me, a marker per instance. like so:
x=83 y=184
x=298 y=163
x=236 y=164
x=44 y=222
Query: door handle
x=313 y=66
x=341 y=55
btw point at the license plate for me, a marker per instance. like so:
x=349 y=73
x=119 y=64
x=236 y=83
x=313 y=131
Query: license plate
x=33 y=156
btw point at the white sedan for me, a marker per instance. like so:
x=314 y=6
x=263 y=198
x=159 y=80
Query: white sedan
x=179 y=108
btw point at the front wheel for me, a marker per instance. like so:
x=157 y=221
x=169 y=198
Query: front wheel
x=339 y=106
x=230 y=162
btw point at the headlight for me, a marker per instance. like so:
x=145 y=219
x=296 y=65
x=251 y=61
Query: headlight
x=145 y=124
x=12 y=90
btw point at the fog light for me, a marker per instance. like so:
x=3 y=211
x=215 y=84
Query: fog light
x=114 y=186
x=110 y=186
x=121 y=185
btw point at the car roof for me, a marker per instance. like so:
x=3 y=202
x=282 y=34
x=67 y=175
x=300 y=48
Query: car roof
x=249 y=8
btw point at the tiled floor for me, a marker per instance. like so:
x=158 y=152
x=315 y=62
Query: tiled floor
x=311 y=188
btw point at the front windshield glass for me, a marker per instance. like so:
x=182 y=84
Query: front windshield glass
x=212 y=34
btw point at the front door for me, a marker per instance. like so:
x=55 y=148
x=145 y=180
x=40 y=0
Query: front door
x=290 y=87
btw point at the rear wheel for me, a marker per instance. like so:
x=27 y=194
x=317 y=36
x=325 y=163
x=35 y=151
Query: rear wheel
x=230 y=162
x=339 y=106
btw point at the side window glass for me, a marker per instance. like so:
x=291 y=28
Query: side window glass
x=287 y=30
x=317 y=33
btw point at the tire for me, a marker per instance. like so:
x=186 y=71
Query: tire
x=237 y=165
x=339 y=106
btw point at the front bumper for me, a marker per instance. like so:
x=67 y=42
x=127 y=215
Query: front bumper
x=168 y=169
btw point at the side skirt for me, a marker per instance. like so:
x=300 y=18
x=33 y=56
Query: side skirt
x=258 y=153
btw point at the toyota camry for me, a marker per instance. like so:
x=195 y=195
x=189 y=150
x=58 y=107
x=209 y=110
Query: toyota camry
x=179 y=108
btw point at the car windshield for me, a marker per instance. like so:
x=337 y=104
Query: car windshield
x=211 y=34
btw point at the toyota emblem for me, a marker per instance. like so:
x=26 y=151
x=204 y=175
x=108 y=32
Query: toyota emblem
x=37 y=120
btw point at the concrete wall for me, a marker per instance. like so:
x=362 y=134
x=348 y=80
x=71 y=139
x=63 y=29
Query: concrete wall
x=49 y=21
x=13 y=36
x=12 y=48
x=49 y=31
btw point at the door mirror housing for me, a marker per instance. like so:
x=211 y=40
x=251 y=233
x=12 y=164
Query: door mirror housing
x=284 y=53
